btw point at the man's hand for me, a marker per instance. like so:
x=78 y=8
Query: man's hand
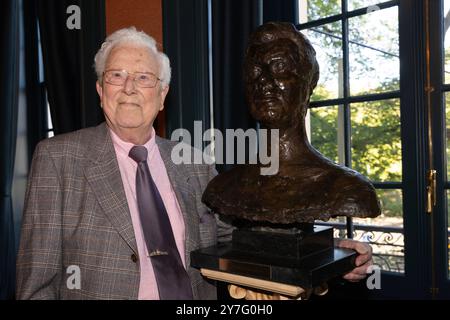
x=363 y=260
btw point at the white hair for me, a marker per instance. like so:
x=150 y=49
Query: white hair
x=139 y=38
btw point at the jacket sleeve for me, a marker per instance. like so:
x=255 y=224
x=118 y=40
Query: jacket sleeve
x=224 y=226
x=39 y=266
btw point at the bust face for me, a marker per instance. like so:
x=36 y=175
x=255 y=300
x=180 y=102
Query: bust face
x=275 y=83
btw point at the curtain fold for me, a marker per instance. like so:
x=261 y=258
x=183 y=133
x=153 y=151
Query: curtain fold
x=185 y=38
x=232 y=23
x=9 y=90
x=68 y=56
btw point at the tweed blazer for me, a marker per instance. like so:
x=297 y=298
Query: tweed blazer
x=76 y=217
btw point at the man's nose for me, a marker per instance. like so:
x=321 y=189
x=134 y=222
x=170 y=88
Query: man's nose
x=129 y=85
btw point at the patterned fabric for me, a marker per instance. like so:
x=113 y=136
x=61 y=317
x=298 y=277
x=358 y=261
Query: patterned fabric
x=128 y=168
x=76 y=216
x=171 y=276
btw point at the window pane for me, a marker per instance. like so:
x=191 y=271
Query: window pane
x=385 y=233
x=316 y=9
x=327 y=41
x=376 y=141
x=357 y=4
x=324 y=131
x=447 y=40
x=374 y=52
x=50 y=132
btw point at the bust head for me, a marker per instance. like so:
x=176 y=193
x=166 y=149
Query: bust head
x=280 y=74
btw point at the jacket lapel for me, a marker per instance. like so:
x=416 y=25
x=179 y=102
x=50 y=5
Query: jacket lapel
x=103 y=175
x=179 y=179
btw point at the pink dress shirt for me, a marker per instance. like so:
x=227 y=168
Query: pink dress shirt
x=148 y=289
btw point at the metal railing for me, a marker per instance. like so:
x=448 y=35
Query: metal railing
x=387 y=243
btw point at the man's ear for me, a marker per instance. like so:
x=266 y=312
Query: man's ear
x=99 y=91
x=163 y=93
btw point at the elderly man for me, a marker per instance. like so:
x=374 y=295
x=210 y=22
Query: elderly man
x=108 y=215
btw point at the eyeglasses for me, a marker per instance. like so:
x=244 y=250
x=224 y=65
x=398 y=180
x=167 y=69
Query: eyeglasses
x=142 y=79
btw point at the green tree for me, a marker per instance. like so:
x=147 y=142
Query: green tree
x=375 y=126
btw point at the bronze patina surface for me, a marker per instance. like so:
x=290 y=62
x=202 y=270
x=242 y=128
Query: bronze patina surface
x=280 y=73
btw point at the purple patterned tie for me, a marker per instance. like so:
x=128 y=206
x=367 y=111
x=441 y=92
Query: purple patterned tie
x=171 y=277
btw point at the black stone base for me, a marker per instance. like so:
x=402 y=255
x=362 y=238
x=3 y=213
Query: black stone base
x=283 y=243
x=298 y=257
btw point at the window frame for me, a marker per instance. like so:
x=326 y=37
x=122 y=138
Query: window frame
x=420 y=274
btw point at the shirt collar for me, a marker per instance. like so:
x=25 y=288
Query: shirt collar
x=124 y=147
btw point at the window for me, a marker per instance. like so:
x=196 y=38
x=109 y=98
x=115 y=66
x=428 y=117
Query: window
x=49 y=124
x=355 y=109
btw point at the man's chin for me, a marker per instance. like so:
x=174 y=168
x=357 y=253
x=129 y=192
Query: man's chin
x=131 y=118
x=129 y=124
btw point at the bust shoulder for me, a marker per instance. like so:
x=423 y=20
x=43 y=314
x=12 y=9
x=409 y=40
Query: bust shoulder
x=298 y=193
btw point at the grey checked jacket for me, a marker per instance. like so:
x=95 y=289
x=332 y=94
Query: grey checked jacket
x=76 y=214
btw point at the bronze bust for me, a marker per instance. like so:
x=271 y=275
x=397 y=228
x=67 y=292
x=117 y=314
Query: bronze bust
x=280 y=73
